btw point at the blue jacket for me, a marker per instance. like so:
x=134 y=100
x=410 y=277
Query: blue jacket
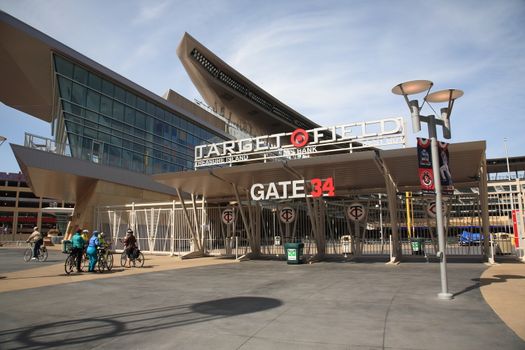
x=94 y=242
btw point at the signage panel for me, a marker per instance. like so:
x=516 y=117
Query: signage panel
x=303 y=143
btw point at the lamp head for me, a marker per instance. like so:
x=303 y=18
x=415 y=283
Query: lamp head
x=412 y=87
x=447 y=95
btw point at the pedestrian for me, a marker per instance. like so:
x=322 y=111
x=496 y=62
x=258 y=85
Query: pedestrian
x=92 y=251
x=77 y=243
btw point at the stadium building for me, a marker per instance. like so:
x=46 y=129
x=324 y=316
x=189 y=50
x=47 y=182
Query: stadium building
x=242 y=172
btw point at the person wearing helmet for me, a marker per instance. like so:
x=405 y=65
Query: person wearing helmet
x=77 y=243
x=38 y=239
x=91 y=251
x=130 y=244
x=85 y=236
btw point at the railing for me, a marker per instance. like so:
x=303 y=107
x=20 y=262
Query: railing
x=46 y=144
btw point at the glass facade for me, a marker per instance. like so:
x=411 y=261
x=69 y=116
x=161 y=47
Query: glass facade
x=109 y=124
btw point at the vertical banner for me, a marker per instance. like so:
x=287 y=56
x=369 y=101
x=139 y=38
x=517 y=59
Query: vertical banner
x=447 y=187
x=424 y=157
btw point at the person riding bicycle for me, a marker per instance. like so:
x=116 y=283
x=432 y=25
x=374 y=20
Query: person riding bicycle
x=38 y=239
x=77 y=243
x=104 y=246
x=130 y=244
x=85 y=236
x=91 y=251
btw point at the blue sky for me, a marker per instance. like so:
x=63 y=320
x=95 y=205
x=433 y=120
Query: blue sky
x=333 y=61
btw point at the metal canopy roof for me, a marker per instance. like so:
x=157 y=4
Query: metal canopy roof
x=357 y=172
x=56 y=176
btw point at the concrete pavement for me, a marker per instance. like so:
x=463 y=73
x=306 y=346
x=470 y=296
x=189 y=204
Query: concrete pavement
x=263 y=304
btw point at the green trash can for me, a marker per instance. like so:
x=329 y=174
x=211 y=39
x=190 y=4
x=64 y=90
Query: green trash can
x=418 y=246
x=294 y=252
x=66 y=246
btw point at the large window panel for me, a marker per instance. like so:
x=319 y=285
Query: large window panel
x=141 y=104
x=63 y=67
x=130 y=98
x=65 y=87
x=93 y=100
x=95 y=82
x=120 y=94
x=80 y=75
x=118 y=110
x=106 y=105
x=129 y=116
x=92 y=116
x=78 y=94
x=107 y=88
x=140 y=120
x=114 y=156
x=91 y=133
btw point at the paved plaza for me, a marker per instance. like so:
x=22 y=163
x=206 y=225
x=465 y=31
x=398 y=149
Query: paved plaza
x=222 y=304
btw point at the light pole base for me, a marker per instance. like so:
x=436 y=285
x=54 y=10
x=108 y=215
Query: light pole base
x=445 y=296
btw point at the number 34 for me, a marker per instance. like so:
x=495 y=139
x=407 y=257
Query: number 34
x=323 y=188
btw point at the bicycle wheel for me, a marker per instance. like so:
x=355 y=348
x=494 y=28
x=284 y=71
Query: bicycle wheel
x=43 y=254
x=28 y=254
x=69 y=265
x=109 y=261
x=101 y=264
x=123 y=259
x=84 y=262
x=139 y=261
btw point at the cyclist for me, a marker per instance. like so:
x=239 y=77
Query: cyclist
x=85 y=236
x=91 y=251
x=38 y=239
x=78 y=248
x=130 y=243
x=104 y=246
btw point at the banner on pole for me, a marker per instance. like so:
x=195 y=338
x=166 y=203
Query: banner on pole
x=447 y=187
x=426 y=174
x=424 y=157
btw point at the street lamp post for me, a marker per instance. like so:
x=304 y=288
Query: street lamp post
x=509 y=177
x=450 y=95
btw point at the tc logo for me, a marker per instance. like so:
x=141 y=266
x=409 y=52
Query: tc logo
x=299 y=138
x=287 y=215
x=356 y=211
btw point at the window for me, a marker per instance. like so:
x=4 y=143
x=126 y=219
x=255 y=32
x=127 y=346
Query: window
x=129 y=117
x=140 y=120
x=130 y=98
x=120 y=94
x=107 y=88
x=80 y=75
x=92 y=116
x=78 y=95
x=95 y=82
x=65 y=88
x=105 y=105
x=63 y=67
x=141 y=104
x=118 y=110
x=93 y=100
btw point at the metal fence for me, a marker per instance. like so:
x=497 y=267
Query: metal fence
x=163 y=227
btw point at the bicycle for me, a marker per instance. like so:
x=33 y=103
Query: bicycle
x=42 y=253
x=70 y=263
x=104 y=259
x=136 y=257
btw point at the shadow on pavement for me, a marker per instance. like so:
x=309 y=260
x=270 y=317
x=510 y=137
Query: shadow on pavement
x=480 y=282
x=92 y=329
